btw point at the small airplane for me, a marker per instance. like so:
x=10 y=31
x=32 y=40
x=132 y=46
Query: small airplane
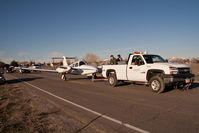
x=76 y=68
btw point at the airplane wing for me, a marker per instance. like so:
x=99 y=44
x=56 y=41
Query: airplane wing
x=64 y=57
x=43 y=70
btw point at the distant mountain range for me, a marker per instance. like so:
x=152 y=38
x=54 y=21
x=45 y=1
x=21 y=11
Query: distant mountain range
x=183 y=60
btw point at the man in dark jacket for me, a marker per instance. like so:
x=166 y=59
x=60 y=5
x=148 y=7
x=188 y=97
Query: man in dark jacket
x=119 y=58
x=113 y=61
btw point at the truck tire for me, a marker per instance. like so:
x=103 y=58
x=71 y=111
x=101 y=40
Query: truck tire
x=157 y=84
x=112 y=79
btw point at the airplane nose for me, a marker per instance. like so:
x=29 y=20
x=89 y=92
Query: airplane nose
x=95 y=69
x=99 y=70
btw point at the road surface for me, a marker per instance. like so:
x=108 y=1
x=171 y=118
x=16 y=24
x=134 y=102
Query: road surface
x=126 y=108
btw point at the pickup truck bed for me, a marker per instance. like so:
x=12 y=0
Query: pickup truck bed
x=119 y=69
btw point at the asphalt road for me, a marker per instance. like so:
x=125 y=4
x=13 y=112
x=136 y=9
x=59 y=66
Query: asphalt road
x=172 y=111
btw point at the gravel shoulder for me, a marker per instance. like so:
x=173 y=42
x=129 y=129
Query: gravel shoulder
x=24 y=111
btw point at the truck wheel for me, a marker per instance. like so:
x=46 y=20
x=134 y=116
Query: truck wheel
x=112 y=79
x=157 y=84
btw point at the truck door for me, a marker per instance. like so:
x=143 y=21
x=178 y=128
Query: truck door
x=136 y=69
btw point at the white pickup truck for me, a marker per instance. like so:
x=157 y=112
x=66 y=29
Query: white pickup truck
x=149 y=69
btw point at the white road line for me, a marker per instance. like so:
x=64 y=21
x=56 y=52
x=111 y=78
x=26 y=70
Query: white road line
x=89 y=110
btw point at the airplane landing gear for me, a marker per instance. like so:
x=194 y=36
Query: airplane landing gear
x=94 y=76
x=63 y=77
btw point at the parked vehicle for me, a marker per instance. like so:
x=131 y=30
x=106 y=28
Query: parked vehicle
x=2 y=79
x=20 y=69
x=9 y=69
x=149 y=69
x=35 y=67
x=24 y=71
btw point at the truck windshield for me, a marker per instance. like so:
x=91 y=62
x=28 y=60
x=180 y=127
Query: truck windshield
x=153 y=59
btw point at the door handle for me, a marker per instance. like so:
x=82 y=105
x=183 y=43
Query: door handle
x=130 y=67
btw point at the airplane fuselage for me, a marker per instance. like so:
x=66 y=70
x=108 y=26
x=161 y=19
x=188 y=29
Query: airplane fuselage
x=80 y=70
x=84 y=70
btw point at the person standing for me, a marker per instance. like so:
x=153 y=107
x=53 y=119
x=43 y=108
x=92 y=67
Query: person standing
x=113 y=61
x=119 y=58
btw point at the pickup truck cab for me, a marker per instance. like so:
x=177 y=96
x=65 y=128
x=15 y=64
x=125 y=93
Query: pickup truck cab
x=149 y=69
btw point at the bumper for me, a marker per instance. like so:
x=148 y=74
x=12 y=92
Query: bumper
x=172 y=79
x=2 y=81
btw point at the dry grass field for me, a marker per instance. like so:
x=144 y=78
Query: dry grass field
x=22 y=111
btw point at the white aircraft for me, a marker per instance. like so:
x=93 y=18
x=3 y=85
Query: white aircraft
x=77 y=68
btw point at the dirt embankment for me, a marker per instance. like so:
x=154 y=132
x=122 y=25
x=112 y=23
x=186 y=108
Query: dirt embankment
x=17 y=113
x=195 y=70
x=21 y=111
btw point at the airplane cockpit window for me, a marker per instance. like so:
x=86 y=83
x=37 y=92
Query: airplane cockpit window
x=76 y=64
x=82 y=63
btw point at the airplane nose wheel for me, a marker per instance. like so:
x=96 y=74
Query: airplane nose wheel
x=64 y=77
x=94 y=76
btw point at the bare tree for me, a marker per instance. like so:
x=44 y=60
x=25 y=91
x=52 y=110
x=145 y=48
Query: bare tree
x=91 y=58
x=2 y=64
x=14 y=63
x=69 y=62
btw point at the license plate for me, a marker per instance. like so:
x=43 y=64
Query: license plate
x=187 y=80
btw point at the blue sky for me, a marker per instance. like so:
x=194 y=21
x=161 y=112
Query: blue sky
x=39 y=29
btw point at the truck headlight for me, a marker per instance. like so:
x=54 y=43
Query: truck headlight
x=173 y=70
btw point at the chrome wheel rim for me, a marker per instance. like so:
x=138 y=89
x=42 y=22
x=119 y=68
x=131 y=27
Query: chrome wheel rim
x=111 y=80
x=155 y=85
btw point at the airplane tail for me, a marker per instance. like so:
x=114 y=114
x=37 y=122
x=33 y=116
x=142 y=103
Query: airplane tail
x=65 y=64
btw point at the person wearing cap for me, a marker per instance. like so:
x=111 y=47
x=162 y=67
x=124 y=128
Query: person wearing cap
x=135 y=60
x=113 y=61
x=119 y=58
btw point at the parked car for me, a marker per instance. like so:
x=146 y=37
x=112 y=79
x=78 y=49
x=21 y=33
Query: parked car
x=9 y=69
x=2 y=79
x=20 y=69
x=24 y=71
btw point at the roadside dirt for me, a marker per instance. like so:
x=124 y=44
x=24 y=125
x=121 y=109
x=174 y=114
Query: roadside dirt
x=195 y=70
x=22 y=111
